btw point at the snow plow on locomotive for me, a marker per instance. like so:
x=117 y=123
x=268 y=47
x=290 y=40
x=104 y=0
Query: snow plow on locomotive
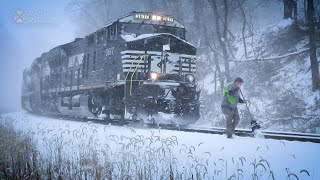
x=139 y=67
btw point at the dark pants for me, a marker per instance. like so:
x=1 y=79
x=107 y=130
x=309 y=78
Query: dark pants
x=232 y=117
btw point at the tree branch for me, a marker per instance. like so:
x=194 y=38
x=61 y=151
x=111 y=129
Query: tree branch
x=273 y=58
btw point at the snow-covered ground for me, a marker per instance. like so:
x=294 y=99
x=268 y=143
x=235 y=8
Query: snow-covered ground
x=205 y=155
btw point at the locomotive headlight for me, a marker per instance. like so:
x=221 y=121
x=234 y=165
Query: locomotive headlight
x=190 y=78
x=156 y=17
x=153 y=76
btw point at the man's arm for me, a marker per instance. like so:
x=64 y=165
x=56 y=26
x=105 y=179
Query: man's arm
x=232 y=89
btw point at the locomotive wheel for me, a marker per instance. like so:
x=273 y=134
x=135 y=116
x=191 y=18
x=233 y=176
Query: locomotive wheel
x=96 y=110
x=107 y=113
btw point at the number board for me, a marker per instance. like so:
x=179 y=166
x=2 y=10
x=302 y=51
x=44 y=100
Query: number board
x=153 y=17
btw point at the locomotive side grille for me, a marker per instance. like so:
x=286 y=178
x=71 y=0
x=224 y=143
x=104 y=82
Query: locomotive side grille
x=188 y=64
x=132 y=60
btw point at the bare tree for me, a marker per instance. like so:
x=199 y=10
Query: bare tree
x=290 y=9
x=215 y=59
x=151 y=5
x=244 y=24
x=77 y=4
x=222 y=34
x=197 y=8
x=312 y=46
x=107 y=4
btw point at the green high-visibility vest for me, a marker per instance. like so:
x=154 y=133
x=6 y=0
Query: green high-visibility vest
x=231 y=98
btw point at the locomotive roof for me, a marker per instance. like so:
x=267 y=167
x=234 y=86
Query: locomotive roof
x=63 y=47
x=130 y=37
x=129 y=18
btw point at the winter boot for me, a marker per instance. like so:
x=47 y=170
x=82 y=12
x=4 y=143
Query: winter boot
x=229 y=135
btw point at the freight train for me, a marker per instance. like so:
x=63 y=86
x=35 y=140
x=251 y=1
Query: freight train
x=138 y=68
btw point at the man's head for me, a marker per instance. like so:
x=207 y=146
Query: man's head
x=238 y=82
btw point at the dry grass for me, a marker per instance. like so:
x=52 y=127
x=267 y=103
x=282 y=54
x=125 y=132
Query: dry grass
x=18 y=156
x=82 y=154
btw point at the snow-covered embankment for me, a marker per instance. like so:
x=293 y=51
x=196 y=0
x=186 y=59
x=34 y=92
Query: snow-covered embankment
x=86 y=149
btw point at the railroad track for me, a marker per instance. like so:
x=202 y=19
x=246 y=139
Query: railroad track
x=277 y=135
x=289 y=136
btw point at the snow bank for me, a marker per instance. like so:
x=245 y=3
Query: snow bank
x=208 y=155
x=276 y=27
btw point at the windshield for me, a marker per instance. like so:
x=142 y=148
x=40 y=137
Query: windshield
x=134 y=28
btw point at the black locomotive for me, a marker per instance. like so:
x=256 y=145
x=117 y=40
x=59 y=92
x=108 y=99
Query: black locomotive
x=139 y=67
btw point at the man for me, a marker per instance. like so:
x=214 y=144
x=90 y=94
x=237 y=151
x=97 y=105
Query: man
x=229 y=105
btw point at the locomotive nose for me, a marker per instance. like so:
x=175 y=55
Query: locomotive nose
x=159 y=53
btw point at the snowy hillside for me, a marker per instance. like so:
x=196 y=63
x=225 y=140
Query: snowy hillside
x=94 y=150
x=279 y=89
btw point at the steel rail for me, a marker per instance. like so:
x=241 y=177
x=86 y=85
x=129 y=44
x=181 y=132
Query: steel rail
x=289 y=136
x=276 y=135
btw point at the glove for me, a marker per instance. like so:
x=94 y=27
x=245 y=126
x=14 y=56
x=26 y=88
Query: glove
x=253 y=122
x=243 y=101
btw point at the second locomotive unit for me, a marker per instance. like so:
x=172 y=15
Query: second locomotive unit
x=137 y=68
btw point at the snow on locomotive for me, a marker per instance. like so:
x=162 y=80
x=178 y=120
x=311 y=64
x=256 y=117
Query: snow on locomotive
x=139 y=67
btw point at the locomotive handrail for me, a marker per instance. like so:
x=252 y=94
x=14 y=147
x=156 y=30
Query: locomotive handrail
x=132 y=77
x=131 y=67
x=125 y=80
x=194 y=61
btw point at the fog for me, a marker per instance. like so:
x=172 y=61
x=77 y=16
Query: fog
x=43 y=27
x=59 y=22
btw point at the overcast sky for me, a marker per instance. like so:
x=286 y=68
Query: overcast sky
x=27 y=29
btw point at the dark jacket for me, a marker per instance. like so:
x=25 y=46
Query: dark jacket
x=233 y=92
